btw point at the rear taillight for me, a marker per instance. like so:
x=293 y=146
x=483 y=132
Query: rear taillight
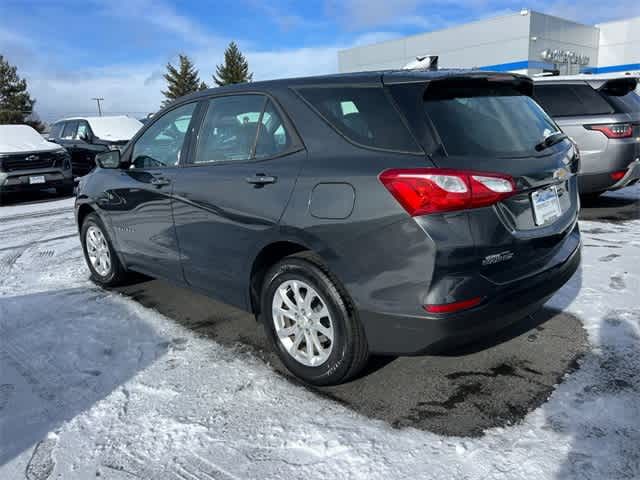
x=615 y=176
x=422 y=191
x=453 y=307
x=613 y=130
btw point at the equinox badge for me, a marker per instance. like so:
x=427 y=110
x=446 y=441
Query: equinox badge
x=497 y=257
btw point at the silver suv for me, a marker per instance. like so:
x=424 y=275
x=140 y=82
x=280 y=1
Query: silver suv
x=601 y=113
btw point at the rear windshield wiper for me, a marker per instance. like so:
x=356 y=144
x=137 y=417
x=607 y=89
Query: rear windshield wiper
x=550 y=140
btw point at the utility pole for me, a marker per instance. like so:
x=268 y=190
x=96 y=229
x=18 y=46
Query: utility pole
x=98 y=100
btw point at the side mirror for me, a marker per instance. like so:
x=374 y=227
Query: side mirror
x=110 y=159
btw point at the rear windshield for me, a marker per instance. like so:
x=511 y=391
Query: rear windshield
x=628 y=103
x=363 y=115
x=572 y=100
x=486 y=121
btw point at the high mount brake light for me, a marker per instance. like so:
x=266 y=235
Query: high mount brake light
x=613 y=130
x=422 y=191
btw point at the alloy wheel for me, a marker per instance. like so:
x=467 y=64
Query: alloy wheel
x=303 y=323
x=98 y=251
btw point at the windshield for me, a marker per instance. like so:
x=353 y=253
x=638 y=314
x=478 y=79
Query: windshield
x=488 y=121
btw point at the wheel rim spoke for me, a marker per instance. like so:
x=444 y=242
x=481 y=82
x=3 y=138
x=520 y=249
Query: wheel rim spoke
x=298 y=310
x=284 y=296
x=327 y=332
x=288 y=331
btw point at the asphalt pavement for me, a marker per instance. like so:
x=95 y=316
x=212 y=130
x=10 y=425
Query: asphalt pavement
x=491 y=384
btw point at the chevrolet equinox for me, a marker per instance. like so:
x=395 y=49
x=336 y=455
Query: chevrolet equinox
x=397 y=212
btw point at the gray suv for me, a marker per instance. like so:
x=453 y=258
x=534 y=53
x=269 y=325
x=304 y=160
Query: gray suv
x=602 y=115
x=394 y=212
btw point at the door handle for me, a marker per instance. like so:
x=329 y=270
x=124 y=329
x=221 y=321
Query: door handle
x=261 y=179
x=160 y=181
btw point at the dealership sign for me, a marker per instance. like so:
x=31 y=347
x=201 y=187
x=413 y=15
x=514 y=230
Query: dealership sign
x=564 y=56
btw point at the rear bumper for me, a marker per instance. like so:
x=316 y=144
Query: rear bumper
x=413 y=335
x=19 y=182
x=632 y=175
x=595 y=169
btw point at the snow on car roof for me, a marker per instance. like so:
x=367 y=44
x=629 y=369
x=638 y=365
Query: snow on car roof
x=23 y=138
x=114 y=128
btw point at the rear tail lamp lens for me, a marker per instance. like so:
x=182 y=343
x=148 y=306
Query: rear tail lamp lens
x=614 y=130
x=618 y=175
x=453 y=307
x=422 y=191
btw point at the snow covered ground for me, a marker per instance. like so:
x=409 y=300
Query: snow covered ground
x=92 y=384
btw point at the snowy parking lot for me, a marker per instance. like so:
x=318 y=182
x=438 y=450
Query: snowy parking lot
x=152 y=382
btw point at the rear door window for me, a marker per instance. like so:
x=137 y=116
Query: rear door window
x=486 y=121
x=229 y=130
x=273 y=137
x=83 y=131
x=571 y=100
x=364 y=115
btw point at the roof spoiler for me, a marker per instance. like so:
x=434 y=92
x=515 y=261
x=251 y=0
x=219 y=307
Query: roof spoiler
x=423 y=62
x=615 y=86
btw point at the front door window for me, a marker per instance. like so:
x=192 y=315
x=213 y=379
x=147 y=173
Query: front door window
x=161 y=145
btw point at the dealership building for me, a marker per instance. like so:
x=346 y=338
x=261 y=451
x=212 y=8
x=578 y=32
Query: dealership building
x=525 y=42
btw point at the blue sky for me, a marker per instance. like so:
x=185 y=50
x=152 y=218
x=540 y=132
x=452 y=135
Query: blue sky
x=73 y=50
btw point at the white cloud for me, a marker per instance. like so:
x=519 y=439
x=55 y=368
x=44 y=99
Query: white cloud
x=161 y=16
x=136 y=89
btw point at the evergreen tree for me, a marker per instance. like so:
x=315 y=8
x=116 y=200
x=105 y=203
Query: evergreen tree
x=182 y=80
x=203 y=86
x=235 y=68
x=16 y=105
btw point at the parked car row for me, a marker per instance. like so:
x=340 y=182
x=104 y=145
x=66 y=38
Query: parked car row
x=30 y=162
x=395 y=212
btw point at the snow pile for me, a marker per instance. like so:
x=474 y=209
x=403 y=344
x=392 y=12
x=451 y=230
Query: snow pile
x=178 y=405
x=116 y=128
x=23 y=138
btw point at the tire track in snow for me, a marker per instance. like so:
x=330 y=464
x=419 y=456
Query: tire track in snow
x=39 y=214
x=42 y=463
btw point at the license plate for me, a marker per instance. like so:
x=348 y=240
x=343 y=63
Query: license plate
x=37 y=179
x=546 y=206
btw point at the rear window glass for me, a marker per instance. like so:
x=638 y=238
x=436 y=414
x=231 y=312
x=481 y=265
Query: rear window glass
x=624 y=103
x=486 y=121
x=364 y=115
x=571 y=100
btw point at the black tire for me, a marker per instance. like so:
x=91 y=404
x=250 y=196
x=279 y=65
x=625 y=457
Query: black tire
x=590 y=198
x=117 y=274
x=349 y=352
x=65 y=191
